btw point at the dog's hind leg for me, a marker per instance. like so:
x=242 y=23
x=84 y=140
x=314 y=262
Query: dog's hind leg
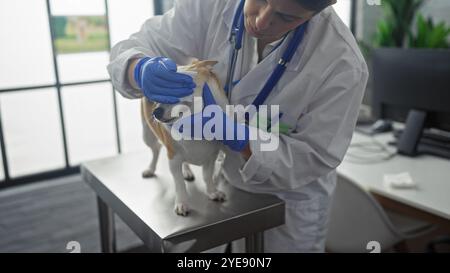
x=187 y=173
x=211 y=188
x=181 y=195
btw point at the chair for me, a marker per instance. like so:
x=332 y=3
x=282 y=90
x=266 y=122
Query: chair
x=357 y=219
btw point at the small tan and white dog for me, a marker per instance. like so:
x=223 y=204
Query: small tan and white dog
x=181 y=153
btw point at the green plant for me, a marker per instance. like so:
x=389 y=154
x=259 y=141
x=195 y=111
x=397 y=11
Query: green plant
x=429 y=35
x=394 y=30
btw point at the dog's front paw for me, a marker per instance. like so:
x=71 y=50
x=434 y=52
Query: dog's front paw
x=181 y=209
x=217 y=196
x=148 y=173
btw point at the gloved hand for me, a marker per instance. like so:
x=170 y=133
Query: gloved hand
x=158 y=79
x=217 y=125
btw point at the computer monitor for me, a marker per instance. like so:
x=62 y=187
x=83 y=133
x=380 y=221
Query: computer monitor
x=412 y=86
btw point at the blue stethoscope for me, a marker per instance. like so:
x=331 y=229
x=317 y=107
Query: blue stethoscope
x=236 y=37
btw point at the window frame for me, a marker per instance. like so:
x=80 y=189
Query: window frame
x=9 y=181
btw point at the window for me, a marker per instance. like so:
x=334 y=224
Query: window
x=26 y=55
x=127 y=17
x=32 y=131
x=57 y=106
x=89 y=114
x=81 y=39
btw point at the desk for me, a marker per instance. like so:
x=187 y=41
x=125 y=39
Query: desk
x=432 y=175
x=146 y=206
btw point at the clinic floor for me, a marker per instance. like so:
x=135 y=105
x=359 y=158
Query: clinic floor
x=46 y=216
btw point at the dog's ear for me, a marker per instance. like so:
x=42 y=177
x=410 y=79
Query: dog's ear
x=205 y=64
x=210 y=63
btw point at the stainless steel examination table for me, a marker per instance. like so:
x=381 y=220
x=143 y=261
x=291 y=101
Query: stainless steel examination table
x=146 y=205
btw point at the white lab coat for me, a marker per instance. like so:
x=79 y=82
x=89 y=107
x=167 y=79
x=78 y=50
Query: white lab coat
x=319 y=96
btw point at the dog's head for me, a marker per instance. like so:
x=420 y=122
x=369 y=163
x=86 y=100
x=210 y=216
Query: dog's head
x=201 y=72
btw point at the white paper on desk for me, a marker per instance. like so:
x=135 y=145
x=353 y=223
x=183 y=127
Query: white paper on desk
x=399 y=181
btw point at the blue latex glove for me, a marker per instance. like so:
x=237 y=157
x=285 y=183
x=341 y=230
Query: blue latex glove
x=194 y=127
x=158 y=79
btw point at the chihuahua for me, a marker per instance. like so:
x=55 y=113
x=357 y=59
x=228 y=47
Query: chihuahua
x=157 y=121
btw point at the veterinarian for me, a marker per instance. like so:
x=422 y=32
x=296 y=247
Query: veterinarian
x=319 y=93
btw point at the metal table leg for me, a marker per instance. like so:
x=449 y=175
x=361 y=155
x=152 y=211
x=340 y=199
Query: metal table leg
x=107 y=229
x=255 y=243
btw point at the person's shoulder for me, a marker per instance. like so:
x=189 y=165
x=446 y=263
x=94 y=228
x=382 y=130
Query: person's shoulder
x=336 y=35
